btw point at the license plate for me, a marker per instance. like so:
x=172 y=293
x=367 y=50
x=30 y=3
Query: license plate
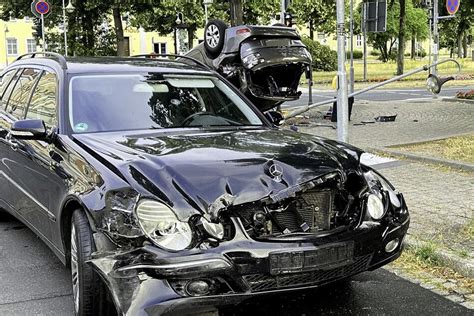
x=323 y=258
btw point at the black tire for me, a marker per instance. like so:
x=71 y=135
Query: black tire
x=214 y=37
x=89 y=296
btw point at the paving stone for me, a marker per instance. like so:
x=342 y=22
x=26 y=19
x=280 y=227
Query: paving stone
x=469 y=297
x=463 y=291
x=449 y=285
x=469 y=305
x=441 y=292
x=455 y=298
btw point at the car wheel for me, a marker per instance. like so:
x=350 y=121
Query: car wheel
x=86 y=286
x=214 y=37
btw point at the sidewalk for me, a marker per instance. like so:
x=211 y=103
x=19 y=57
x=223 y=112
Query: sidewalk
x=440 y=199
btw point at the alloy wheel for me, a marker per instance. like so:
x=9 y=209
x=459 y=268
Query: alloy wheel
x=212 y=35
x=74 y=269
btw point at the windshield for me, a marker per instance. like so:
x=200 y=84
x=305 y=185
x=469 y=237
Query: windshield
x=100 y=103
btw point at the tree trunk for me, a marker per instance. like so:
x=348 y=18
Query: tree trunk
x=311 y=29
x=460 y=45
x=464 y=44
x=236 y=13
x=119 y=31
x=413 y=47
x=401 y=39
x=191 y=31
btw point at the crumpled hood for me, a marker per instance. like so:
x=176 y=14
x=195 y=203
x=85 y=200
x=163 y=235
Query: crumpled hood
x=189 y=170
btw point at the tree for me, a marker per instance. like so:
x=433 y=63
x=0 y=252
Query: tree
x=401 y=38
x=87 y=34
x=461 y=24
x=318 y=14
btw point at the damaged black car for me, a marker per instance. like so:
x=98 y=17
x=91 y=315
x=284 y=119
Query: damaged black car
x=265 y=63
x=164 y=189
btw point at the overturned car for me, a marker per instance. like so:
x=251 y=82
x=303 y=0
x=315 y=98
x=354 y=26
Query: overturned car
x=164 y=189
x=265 y=63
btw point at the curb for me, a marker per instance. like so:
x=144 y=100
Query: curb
x=450 y=163
x=454 y=99
x=462 y=266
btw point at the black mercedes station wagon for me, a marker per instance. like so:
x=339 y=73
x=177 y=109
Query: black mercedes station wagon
x=163 y=188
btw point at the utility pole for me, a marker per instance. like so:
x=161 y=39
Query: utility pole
x=283 y=10
x=342 y=101
x=435 y=35
x=364 y=30
x=351 y=30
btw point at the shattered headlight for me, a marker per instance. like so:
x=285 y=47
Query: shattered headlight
x=160 y=224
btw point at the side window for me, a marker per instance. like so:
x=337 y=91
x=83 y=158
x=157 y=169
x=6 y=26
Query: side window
x=7 y=86
x=22 y=91
x=44 y=100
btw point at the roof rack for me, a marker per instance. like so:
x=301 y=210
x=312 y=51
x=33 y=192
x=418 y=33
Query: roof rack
x=61 y=59
x=151 y=56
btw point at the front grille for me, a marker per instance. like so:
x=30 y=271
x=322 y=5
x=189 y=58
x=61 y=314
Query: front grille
x=313 y=208
x=265 y=282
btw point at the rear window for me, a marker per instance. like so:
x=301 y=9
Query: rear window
x=101 y=103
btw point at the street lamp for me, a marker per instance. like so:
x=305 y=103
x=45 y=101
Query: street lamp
x=206 y=4
x=69 y=8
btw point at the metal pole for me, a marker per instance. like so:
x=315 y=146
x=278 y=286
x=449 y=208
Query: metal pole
x=435 y=35
x=282 y=14
x=375 y=86
x=364 y=29
x=342 y=102
x=351 y=27
x=430 y=36
x=6 y=45
x=42 y=32
x=205 y=12
x=64 y=29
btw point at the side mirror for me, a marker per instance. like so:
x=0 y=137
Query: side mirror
x=434 y=83
x=275 y=117
x=29 y=129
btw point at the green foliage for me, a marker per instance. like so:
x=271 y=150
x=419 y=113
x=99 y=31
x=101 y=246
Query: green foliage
x=321 y=14
x=357 y=54
x=375 y=52
x=416 y=26
x=427 y=253
x=87 y=31
x=324 y=59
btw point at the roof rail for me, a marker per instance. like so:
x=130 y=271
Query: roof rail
x=151 y=56
x=61 y=59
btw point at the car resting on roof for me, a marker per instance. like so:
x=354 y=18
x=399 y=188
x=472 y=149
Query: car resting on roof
x=265 y=63
x=172 y=192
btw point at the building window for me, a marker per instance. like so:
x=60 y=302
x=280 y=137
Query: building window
x=160 y=48
x=359 y=40
x=30 y=45
x=12 y=46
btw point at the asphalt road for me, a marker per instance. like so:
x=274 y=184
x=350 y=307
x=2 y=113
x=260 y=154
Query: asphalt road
x=34 y=282
x=377 y=95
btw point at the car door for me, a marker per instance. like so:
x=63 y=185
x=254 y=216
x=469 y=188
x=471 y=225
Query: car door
x=7 y=82
x=39 y=183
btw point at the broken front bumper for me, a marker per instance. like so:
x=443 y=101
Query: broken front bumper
x=150 y=281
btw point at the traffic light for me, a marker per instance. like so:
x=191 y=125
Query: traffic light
x=37 y=29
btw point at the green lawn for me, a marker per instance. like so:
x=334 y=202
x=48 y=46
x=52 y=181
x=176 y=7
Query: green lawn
x=378 y=71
